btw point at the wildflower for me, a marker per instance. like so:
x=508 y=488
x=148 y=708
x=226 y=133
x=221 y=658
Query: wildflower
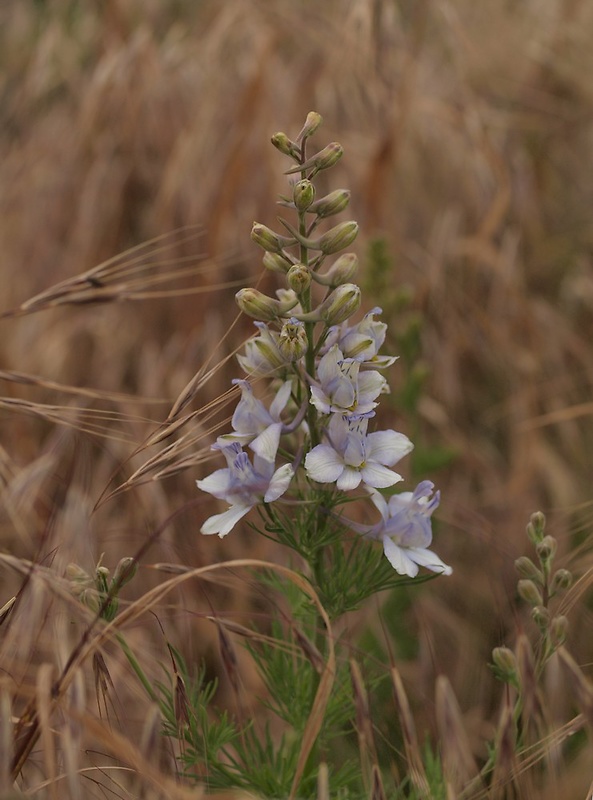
x=405 y=529
x=254 y=425
x=242 y=485
x=341 y=389
x=352 y=456
x=262 y=356
x=363 y=341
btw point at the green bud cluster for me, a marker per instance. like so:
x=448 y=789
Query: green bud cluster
x=539 y=584
x=97 y=591
x=300 y=252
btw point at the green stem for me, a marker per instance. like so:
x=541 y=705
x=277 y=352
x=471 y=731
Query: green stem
x=133 y=661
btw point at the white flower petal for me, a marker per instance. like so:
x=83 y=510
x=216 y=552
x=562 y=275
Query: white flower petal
x=217 y=483
x=328 y=368
x=225 y=522
x=370 y=385
x=320 y=400
x=266 y=444
x=323 y=464
x=378 y=476
x=426 y=558
x=281 y=399
x=279 y=484
x=398 y=559
x=388 y=447
x=349 y=479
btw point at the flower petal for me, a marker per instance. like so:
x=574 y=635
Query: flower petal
x=279 y=484
x=426 y=558
x=349 y=479
x=225 y=522
x=323 y=464
x=266 y=444
x=279 y=402
x=378 y=476
x=388 y=447
x=217 y=483
x=398 y=559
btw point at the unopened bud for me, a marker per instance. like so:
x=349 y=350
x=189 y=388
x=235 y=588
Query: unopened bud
x=285 y=145
x=342 y=271
x=541 y=617
x=536 y=527
x=561 y=580
x=527 y=569
x=125 y=571
x=546 y=549
x=299 y=278
x=331 y=204
x=506 y=662
x=303 y=194
x=276 y=263
x=312 y=122
x=558 y=630
x=260 y=306
x=77 y=574
x=341 y=304
x=338 y=238
x=324 y=159
x=268 y=240
x=529 y=592
x=292 y=341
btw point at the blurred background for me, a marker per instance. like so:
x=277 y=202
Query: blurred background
x=468 y=137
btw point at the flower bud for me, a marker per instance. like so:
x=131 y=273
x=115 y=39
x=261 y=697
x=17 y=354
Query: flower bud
x=285 y=145
x=341 y=271
x=268 y=240
x=527 y=569
x=341 y=304
x=338 y=238
x=324 y=159
x=506 y=663
x=546 y=549
x=299 y=278
x=292 y=342
x=536 y=526
x=303 y=194
x=276 y=262
x=260 y=306
x=529 y=592
x=541 y=617
x=77 y=574
x=331 y=204
x=561 y=580
x=558 y=630
x=125 y=571
x=312 y=122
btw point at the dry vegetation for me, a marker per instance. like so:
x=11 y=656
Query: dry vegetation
x=143 y=128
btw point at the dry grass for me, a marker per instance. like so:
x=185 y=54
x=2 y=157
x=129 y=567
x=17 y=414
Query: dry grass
x=142 y=129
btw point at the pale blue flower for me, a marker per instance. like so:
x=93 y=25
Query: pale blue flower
x=341 y=389
x=242 y=485
x=351 y=456
x=362 y=341
x=406 y=530
x=254 y=424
